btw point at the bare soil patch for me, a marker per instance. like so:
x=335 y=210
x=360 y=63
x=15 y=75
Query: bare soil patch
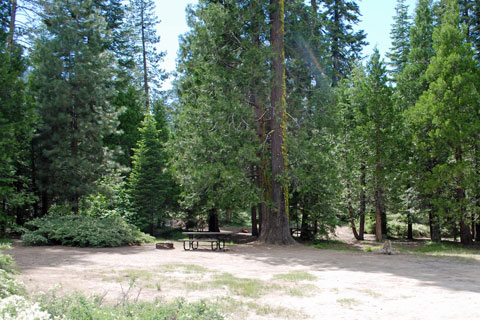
x=252 y=281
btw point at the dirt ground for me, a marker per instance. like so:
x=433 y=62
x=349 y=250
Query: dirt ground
x=252 y=281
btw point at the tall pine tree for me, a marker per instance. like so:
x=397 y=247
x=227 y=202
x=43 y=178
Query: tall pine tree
x=142 y=20
x=346 y=45
x=451 y=107
x=400 y=35
x=71 y=82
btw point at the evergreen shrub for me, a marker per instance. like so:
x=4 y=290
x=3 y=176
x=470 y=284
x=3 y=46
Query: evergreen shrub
x=83 y=231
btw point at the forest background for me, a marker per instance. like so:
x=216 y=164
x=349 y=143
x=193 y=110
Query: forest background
x=272 y=113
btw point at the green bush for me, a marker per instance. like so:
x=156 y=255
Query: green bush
x=79 y=307
x=82 y=231
x=8 y=285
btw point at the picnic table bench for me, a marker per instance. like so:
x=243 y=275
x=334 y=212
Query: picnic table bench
x=216 y=239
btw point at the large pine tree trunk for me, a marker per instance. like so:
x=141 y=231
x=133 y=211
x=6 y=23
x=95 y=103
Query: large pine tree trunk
x=275 y=226
x=213 y=221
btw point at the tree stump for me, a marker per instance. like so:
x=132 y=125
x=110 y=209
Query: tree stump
x=164 y=245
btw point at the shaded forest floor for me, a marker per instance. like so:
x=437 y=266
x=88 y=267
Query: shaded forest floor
x=252 y=281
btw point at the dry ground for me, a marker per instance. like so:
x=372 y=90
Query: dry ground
x=253 y=281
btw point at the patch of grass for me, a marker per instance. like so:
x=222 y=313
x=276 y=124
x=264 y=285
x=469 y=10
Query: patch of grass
x=244 y=310
x=185 y=268
x=443 y=246
x=275 y=311
x=443 y=249
x=196 y=286
x=372 y=249
x=306 y=290
x=348 y=302
x=333 y=245
x=371 y=293
x=295 y=276
x=145 y=275
x=241 y=286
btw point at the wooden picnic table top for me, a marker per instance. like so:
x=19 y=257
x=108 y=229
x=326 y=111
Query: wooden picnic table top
x=193 y=233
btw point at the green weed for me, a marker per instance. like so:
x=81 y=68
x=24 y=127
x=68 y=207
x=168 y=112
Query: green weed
x=240 y=286
x=333 y=245
x=348 y=302
x=295 y=276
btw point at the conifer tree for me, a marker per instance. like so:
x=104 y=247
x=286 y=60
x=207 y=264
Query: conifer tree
x=346 y=45
x=410 y=85
x=378 y=133
x=450 y=106
x=142 y=20
x=150 y=186
x=71 y=83
x=16 y=123
x=400 y=35
x=214 y=135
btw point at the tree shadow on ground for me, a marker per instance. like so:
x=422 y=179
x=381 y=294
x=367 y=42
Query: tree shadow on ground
x=429 y=271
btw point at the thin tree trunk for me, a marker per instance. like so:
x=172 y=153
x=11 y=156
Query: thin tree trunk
x=378 y=190
x=275 y=227
x=228 y=216
x=363 y=201
x=477 y=228
x=144 y=54
x=435 y=234
x=74 y=146
x=254 y=221
x=335 y=48
x=351 y=214
x=409 y=227
x=13 y=16
x=352 y=221
x=33 y=169
x=465 y=234
x=45 y=203
x=477 y=194
x=304 y=232
x=313 y=3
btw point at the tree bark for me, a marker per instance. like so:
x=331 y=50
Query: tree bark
x=465 y=234
x=213 y=221
x=254 y=221
x=409 y=227
x=363 y=201
x=335 y=47
x=275 y=226
x=477 y=230
x=144 y=55
x=378 y=189
x=435 y=234
x=13 y=16
x=352 y=222
x=313 y=3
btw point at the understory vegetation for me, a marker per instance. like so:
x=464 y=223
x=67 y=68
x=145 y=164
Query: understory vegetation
x=82 y=231
x=16 y=304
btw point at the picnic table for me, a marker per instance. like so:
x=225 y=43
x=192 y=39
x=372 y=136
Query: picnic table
x=216 y=239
